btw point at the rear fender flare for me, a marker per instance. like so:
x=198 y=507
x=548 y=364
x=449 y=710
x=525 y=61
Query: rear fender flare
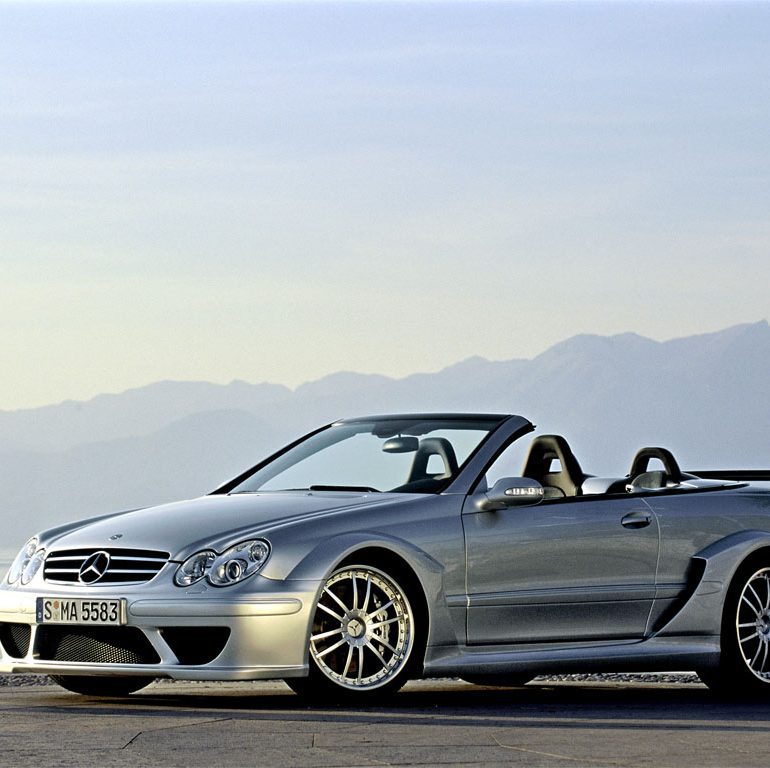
x=703 y=612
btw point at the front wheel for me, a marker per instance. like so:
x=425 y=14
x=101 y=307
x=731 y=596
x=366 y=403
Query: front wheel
x=362 y=637
x=744 y=665
x=101 y=686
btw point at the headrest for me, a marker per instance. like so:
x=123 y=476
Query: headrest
x=645 y=455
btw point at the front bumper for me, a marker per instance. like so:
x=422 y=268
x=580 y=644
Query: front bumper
x=260 y=635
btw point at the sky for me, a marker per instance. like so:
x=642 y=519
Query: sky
x=278 y=191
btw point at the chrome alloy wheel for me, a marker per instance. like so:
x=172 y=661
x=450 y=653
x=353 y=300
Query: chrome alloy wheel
x=753 y=624
x=363 y=629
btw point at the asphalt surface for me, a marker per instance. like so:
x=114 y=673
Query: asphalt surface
x=441 y=723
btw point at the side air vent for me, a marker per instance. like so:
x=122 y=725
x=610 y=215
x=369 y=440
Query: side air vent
x=196 y=645
x=15 y=639
x=103 y=566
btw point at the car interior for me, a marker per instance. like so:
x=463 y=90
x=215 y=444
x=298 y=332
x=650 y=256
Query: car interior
x=552 y=463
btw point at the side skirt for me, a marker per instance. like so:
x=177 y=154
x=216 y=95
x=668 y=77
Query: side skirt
x=655 y=654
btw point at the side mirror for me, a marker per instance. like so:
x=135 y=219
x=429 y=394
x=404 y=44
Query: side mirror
x=512 y=492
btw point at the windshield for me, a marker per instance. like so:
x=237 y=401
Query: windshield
x=419 y=455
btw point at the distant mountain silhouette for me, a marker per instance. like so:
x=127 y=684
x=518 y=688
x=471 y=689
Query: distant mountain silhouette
x=705 y=397
x=130 y=414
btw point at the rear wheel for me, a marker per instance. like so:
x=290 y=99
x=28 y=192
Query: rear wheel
x=93 y=685
x=744 y=665
x=362 y=637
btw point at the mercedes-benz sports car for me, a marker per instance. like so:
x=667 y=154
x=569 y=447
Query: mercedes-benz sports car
x=378 y=549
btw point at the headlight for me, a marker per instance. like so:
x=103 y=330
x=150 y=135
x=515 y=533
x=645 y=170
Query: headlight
x=194 y=568
x=33 y=566
x=235 y=564
x=27 y=562
x=239 y=562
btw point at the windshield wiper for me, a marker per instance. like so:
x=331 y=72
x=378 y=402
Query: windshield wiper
x=356 y=488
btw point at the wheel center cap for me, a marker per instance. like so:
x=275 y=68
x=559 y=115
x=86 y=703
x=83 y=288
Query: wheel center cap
x=356 y=628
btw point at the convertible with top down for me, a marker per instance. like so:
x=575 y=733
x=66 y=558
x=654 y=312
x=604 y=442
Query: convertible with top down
x=384 y=548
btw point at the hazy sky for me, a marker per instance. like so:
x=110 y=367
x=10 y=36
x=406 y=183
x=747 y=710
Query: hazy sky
x=278 y=191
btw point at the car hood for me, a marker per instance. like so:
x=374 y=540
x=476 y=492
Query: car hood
x=214 y=521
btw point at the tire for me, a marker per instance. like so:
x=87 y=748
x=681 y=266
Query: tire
x=94 y=685
x=744 y=663
x=499 y=681
x=362 y=638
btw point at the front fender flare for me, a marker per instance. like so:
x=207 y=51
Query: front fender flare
x=319 y=563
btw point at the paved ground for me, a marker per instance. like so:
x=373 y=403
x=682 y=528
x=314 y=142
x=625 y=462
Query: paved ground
x=445 y=723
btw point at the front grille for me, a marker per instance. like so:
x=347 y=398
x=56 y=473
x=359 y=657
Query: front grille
x=125 y=566
x=15 y=639
x=196 y=645
x=100 y=645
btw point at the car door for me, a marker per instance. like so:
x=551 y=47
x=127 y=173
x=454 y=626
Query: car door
x=564 y=570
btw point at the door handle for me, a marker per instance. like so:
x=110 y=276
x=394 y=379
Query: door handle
x=636 y=520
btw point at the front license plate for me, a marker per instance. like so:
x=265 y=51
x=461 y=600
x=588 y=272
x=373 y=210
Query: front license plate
x=58 y=610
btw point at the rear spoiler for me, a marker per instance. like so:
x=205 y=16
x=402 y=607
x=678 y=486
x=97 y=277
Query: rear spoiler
x=740 y=475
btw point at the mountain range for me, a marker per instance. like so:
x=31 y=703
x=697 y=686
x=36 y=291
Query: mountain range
x=705 y=397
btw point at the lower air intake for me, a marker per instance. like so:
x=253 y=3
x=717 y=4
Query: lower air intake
x=98 y=645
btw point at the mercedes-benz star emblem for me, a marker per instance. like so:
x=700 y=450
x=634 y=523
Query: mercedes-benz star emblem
x=94 y=567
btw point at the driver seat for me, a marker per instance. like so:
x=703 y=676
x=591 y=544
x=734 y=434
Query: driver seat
x=564 y=480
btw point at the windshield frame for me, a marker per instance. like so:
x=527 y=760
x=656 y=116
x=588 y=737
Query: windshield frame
x=491 y=422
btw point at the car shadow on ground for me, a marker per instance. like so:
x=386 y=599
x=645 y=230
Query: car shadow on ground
x=563 y=705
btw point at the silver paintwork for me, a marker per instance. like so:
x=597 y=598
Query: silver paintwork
x=595 y=582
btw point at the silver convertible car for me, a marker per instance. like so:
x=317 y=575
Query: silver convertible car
x=379 y=549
